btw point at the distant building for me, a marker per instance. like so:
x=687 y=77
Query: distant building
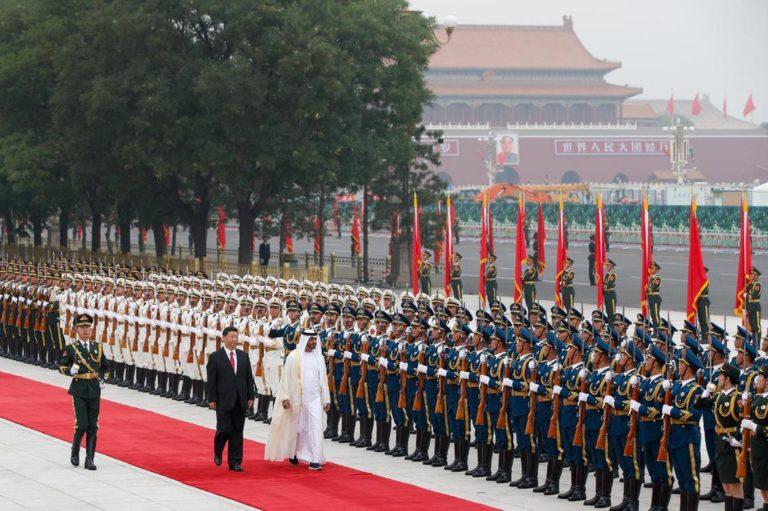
x=530 y=104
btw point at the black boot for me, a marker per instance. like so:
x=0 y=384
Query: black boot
x=328 y=433
x=485 y=468
x=547 y=480
x=605 y=495
x=426 y=439
x=139 y=380
x=571 y=489
x=499 y=470
x=598 y=489
x=149 y=384
x=379 y=437
x=737 y=504
x=343 y=438
x=74 y=456
x=386 y=433
x=506 y=457
x=532 y=472
x=456 y=455
x=524 y=468
x=405 y=435
x=128 y=376
x=626 y=495
x=186 y=388
x=162 y=381
x=665 y=495
x=463 y=465
x=416 y=446
x=473 y=471
x=90 y=451
x=202 y=400
x=580 y=493
x=444 y=446
x=433 y=459
x=554 y=480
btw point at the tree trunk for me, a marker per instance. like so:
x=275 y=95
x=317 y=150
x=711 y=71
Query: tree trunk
x=159 y=234
x=108 y=235
x=365 y=234
x=320 y=211
x=173 y=240
x=37 y=230
x=83 y=241
x=245 y=216
x=125 y=237
x=10 y=227
x=199 y=228
x=96 y=232
x=64 y=219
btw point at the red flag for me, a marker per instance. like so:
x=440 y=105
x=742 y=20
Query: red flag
x=489 y=219
x=520 y=254
x=697 y=275
x=318 y=234
x=671 y=104
x=355 y=232
x=79 y=231
x=749 y=107
x=143 y=234
x=696 y=105
x=416 y=256
x=725 y=110
x=221 y=232
x=541 y=237
x=439 y=242
x=288 y=235
x=600 y=255
x=336 y=215
x=646 y=247
x=448 y=247
x=483 y=251
x=561 y=254
x=745 y=258
x=167 y=235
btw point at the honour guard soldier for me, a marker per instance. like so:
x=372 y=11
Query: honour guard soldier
x=519 y=408
x=496 y=363
x=717 y=355
x=653 y=294
x=758 y=425
x=609 y=289
x=85 y=362
x=361 y=345
x=476 y=366
x=597 y=383
x=342 y=368
x=529 y=282
x=381 y=415
x=414 y=353
x=491 y=289
x=753 y=303
x=702 y=311
x=685 y=434
x=425 y=273
x=649 y=434
x=456 y=287
x=724 y=399
x=396 y=346
x=567 y=294
x=435 y=351
x=459 y=423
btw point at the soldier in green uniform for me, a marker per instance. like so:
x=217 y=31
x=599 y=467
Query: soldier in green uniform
x=753 y=303
x=653 y=294
x=529 y=282
x=758 y=425
x=567 y=295
x=609 y=290
x=456 y=288
x=702 y=311
x=85 y=362
x=490 y=279
x=425 y=273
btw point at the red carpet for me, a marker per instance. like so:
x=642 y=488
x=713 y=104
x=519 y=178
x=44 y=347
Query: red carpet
x=183 y=451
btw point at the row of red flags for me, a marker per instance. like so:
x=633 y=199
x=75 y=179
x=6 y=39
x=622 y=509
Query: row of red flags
x=749 y=106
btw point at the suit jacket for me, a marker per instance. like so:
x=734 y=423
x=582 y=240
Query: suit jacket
x=264 y=254
x=224 y=386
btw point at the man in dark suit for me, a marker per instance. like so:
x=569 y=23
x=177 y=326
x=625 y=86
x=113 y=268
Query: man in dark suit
x=264 y=252
x=231 y=391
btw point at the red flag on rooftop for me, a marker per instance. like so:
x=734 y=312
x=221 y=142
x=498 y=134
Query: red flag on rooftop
x=696 y=105
x=671 y=104
x=749 y=107
x=725 y=110
x=697 y=274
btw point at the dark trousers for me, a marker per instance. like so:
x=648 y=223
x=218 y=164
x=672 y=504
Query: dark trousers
x=229 y=428
x=86 y=414
x=456 y=289
x=753 y=322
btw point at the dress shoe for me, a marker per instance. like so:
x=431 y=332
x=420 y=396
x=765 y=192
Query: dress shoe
x=217 y=459
x=236 y=468
x=88 y=465
x=315 y=466
x=293 y=461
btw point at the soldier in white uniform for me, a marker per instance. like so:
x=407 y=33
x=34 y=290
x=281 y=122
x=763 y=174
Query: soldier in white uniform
x=122 y=354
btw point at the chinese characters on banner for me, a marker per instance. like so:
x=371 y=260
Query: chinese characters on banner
x=449 y=147
x=611 y=147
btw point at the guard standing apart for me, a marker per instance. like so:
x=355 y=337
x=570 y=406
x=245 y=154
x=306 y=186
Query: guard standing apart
x=529 y=282
x=653 y=294
x=567 y=295
x=753 y=303
x=702 y=311
x=456 y=288
x=425 y=273
x=85 y=362
x=609 y=290
x=490 y=279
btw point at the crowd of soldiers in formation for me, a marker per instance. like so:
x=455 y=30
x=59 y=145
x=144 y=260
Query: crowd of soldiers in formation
x=601 y=395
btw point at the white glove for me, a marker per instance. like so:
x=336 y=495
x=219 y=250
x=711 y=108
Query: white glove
x=666 y=410
x=440 y=349
x=666 y=384
x=583 y=373
x=463 y=354
x=346 y=335
x=331 y=353
x=583 y=397
x=734 y=442
x=74 y=369
x=408 y=330
x=464 y=375
x=532 y=365
x=383 y=362
x=745 y=396
x=485 y=380
x=555 y=367
x=403 y=366
x=633 y=381
x=102 y=385
x=706 y=393
x=483 y=358
x=507 y=382
x=365 y=356
x=608 y=400
x=711 y=387
x=748 y=424
x=442 y=372
x=635 y=406
x=421 y=368
x=557 y=389
x=617 y=358
x=533 y=387
x=348 y=355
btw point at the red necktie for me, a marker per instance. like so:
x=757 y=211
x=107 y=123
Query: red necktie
x=232 y=359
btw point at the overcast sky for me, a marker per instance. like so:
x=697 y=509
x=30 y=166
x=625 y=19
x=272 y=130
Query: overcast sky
x=717 y=47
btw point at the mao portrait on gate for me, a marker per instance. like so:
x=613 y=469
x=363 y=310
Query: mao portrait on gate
x=507 y=149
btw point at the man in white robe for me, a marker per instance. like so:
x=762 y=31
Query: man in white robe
x=296 y=432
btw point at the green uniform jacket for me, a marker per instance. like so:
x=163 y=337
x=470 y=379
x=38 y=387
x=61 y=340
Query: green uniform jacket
x=91 y=362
